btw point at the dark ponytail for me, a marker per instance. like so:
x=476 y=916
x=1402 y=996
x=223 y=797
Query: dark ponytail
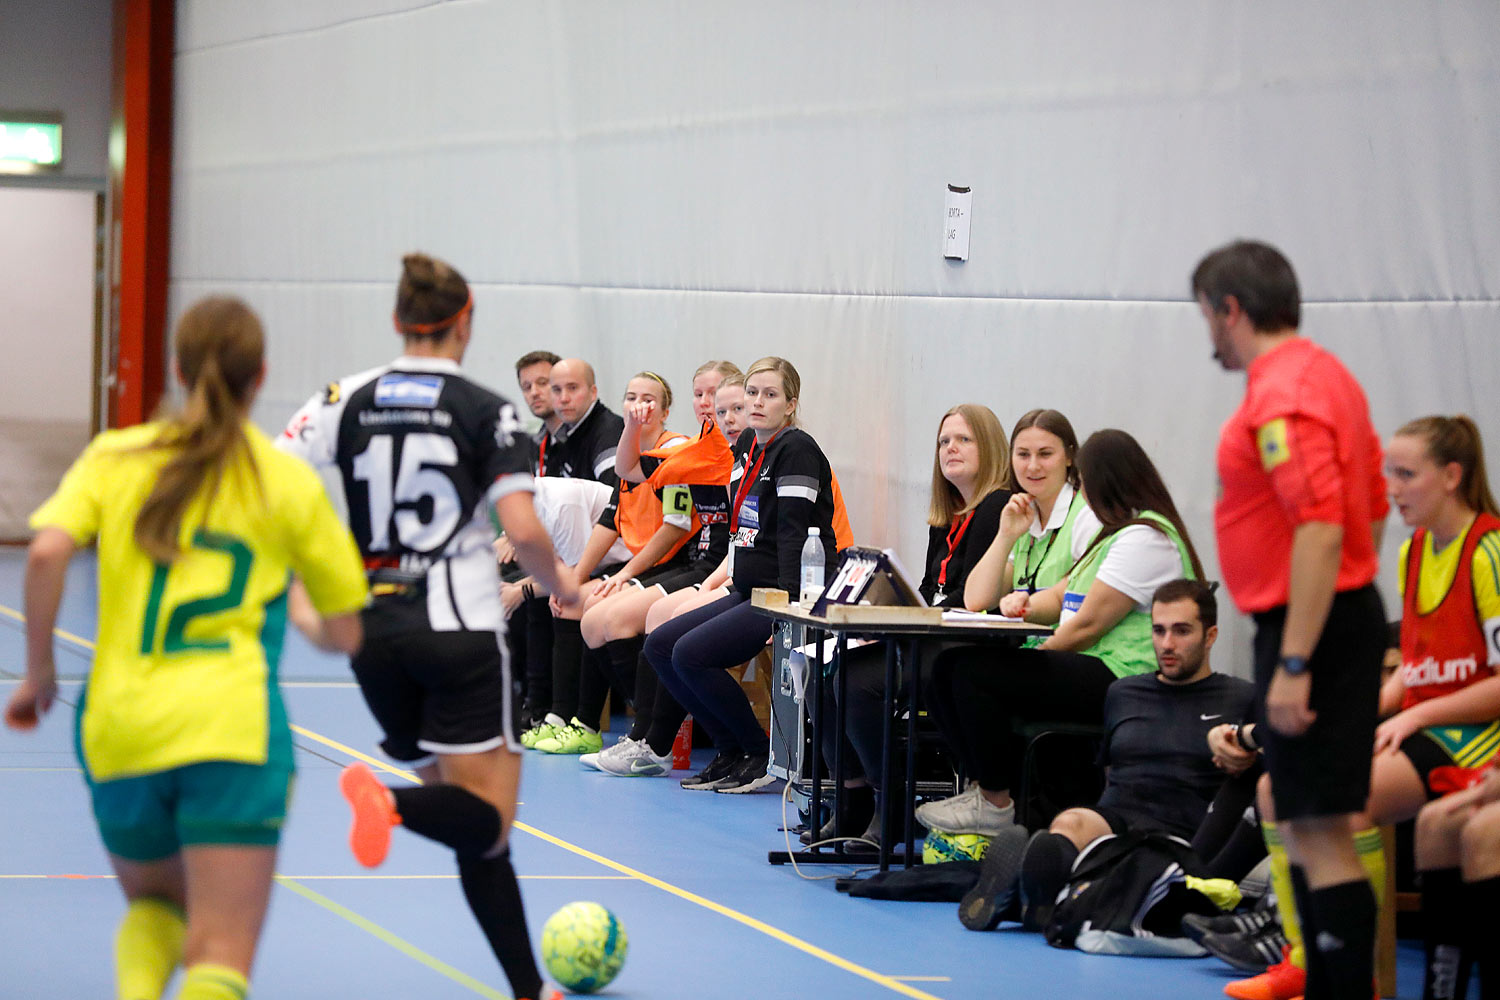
x=1120 y=481
x=220 y=351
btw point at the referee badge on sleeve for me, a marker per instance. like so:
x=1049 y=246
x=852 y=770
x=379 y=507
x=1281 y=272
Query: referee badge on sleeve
x=1271 y=440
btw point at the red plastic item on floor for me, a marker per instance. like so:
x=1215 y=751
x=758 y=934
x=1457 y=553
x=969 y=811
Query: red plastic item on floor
x=682 y=746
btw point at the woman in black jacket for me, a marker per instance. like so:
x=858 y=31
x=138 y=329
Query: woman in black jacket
x=780 y=487
x=971 y=480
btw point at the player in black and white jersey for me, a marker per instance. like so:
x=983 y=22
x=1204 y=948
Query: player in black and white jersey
x=427 y=458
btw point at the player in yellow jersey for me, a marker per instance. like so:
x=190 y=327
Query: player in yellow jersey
x=183 y=737
x=1445 y=698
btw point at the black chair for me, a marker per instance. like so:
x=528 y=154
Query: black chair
x=1072 y=754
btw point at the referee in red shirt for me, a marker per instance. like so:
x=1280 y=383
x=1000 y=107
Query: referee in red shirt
x=1300 y=512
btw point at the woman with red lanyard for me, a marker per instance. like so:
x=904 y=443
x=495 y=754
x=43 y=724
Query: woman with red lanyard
x=1443 y=703
x=971 y=479
x=780 y=487
x=656 y=526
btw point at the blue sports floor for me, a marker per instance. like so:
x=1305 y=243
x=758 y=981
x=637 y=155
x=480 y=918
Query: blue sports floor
x=685 y=872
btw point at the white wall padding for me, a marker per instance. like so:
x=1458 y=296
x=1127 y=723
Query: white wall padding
x=652 y=184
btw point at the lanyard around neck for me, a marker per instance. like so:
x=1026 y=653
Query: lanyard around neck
x=749 y=480
x=1029 y=574
x=955 y=535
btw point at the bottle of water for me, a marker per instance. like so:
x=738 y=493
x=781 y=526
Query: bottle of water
x=812 y=569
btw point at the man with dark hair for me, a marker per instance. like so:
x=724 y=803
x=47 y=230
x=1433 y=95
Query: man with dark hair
x=530 y=632
x=1301 y=505
x=534 y=376
x=1258 y=278
x=1160 y=771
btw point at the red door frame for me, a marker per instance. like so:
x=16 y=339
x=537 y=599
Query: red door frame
x=140 y=189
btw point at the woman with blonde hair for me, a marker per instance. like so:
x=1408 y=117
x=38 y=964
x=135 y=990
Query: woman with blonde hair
x=183 y=737
x=971 y=485
x=779 y=488
x=616 y=629
x=655 y=523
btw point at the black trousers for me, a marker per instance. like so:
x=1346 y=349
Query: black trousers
x=977 y=692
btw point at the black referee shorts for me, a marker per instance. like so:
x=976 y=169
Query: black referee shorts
x=1326 y=770
x=680 y=578
x=437 y=693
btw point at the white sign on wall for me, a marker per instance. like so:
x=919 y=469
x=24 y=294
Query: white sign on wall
x=956 y=222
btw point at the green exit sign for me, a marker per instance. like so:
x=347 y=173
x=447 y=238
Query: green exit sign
x=30 y=144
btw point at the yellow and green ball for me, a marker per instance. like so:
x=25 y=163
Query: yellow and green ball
x=583 y=947
x=940 y=847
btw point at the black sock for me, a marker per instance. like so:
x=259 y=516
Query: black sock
x=449 y=815
x=859 y=808
x=1483 y=893
x=494 y=898
x=593 y=686
x=1443 y=931
x=1343 y=935
x=567 y=655
x=538 y=624
x=666 y=719
x=648 y=691
x=1243 y=850
x=1312 y=957
x=621 y=656
x=1045 y=869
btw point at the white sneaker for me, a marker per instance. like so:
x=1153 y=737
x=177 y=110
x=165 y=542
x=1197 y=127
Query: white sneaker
x=967 y=812
x=621 y=746
x=636 y=761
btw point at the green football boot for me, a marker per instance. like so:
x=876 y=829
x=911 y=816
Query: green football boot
x=574 y=738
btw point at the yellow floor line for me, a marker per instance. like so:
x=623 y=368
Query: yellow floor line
x=395 y=941
x=364 y=878
x=775 y=933
x=924 y=979
x=76 y=640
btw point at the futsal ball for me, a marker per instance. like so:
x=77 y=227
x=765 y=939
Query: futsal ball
x=940 y=847
x=583 y=947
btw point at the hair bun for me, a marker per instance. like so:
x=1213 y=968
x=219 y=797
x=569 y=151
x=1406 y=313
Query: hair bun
x=420 y=271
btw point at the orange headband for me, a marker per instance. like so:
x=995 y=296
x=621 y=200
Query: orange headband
x=427 y=329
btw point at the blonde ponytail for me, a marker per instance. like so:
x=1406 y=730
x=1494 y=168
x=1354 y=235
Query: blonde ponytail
x=220 y=351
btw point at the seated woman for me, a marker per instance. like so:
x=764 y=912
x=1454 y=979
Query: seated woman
x=1128 y=543
x=1458 y=856
x=780 y=486
x=970 y=487
x=613 y=627
x=633 y=756
x=1032 y=549
x=1442 y=705
x=655 y=526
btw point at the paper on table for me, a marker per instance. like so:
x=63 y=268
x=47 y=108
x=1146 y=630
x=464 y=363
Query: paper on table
x=810 y=652
x=960 y=615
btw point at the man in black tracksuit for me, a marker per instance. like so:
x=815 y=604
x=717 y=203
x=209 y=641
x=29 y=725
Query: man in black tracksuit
x=582 y=447
x=585 y=444
x=1161 y=773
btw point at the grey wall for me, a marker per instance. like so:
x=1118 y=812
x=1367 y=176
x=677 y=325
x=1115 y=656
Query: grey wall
x=651 y=184
x=55 y=55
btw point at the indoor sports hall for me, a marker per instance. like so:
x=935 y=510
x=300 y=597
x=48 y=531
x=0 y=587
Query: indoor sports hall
x=704 y=913
x=918 y=204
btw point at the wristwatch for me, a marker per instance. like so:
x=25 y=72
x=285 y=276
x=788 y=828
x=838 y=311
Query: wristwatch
x=1295 y=666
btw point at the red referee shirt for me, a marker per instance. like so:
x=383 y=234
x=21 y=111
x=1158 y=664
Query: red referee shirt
x=1300 y=448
